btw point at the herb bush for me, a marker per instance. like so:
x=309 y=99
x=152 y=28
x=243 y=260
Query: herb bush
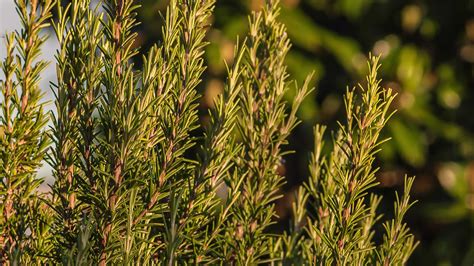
x=133 y=182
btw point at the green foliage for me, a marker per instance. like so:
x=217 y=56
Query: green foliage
x=24 y=217
x=135 y=183
x=345 y=211
x=264 y=127
x=432 y=133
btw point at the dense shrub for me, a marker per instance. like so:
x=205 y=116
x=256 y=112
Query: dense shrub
x=134 y=182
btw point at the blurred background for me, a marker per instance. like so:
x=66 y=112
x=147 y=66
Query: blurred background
x=427 y=50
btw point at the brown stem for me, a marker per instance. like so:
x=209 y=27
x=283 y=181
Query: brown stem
x=161 y=181
x=103 y=255
x=8 y=89
x=150 y=205
x=118 y=164
x=117 y=30
x=30 y=41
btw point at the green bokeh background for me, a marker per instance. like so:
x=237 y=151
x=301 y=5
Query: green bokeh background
x=427 y=50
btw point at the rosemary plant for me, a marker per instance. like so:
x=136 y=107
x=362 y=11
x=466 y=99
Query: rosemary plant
x=344 y=211
x=264 y=126
x=134 y=181
x=23 y=215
